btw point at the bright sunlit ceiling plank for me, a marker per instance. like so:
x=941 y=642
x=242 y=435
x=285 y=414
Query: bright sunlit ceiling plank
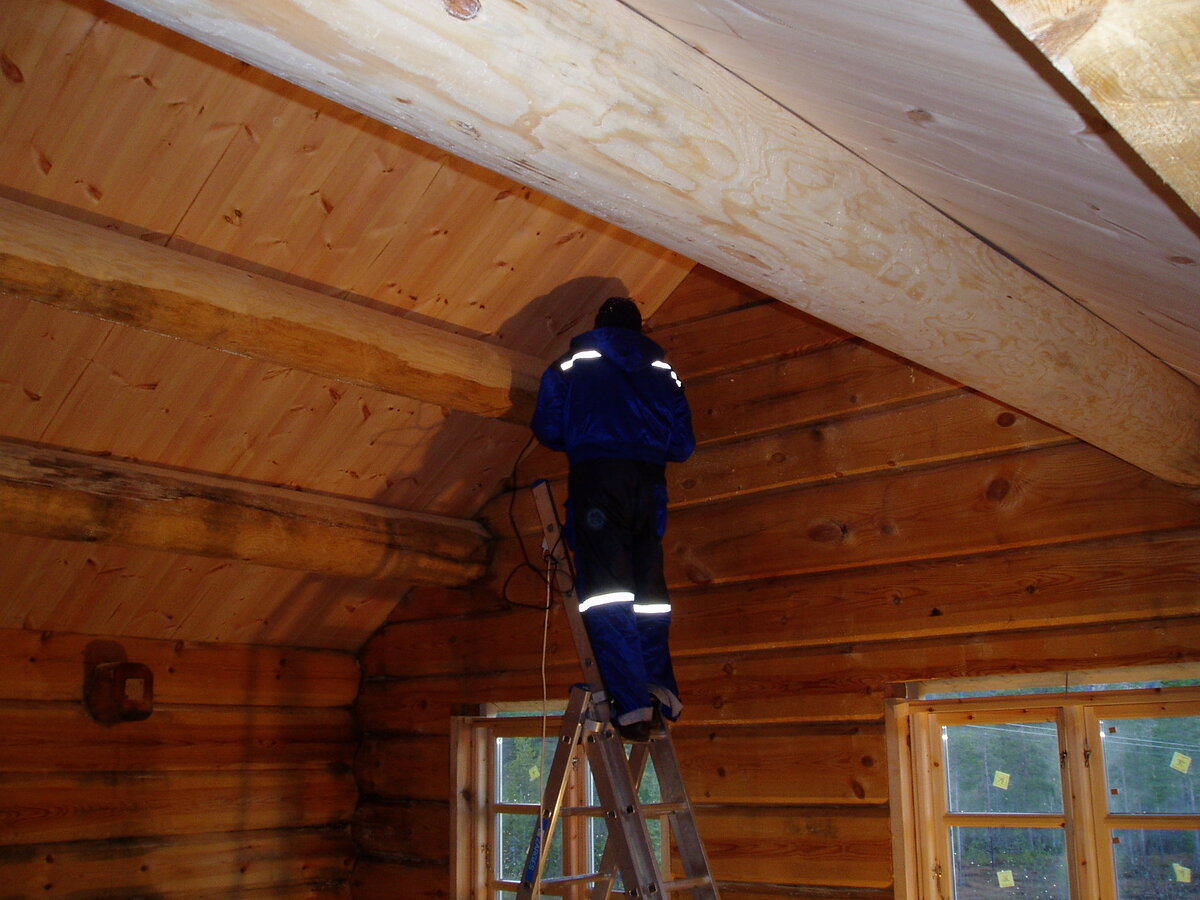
x=1138 y=62
x=594 y=104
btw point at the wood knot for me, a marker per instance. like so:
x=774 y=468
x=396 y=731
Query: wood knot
x=1006 y=419
x=999 y=489
x=462 y=9
x=828 y=532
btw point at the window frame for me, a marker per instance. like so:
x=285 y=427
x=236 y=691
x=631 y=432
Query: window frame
x=921 y=823
x=473 y=837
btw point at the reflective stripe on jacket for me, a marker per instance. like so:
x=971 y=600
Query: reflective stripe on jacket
x=614 y=396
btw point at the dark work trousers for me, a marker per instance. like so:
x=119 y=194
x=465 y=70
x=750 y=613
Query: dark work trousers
x=617 y=512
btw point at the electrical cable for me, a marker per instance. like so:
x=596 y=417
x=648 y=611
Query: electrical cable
x=527 y=562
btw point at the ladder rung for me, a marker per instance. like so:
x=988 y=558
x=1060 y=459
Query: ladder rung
x=576 y=879
x=686 y=884
x=648 y=809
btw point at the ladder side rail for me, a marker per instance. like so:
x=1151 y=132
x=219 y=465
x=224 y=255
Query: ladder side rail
x=570 y=745
x=565 y=583
x=692 y=855
x=627 y=832
x=637 y=769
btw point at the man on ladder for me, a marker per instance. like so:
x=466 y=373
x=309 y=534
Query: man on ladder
x=615 y=406
x=618 y=410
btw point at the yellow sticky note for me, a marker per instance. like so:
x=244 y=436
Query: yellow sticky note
x=1001 y=780
x=1182 y=873
x=1181 y=762
x=1004 y=876
x=534 y=773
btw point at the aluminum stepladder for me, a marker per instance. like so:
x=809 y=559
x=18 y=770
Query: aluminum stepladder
x=588 y=733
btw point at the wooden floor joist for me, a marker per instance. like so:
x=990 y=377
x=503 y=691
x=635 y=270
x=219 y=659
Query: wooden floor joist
x=598 y=106
x=70 y=496
x=81 y=268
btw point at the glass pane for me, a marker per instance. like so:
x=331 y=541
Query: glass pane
x=512 y=840
x=1156 y=865
x=1150 y=764
x=1009 y=863
x=1007 y=767
x=521 y=767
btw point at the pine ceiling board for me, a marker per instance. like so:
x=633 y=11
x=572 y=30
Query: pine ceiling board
x=105 y=590
x=261 y=607
x=200 y=410
x=95 y=588
x=478 y=251
x=933 y=95
x=313 y=198
x=106 y=122
x=43 y=353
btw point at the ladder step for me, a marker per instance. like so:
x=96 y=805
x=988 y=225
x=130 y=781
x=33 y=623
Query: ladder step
x=665 y=808
x=577 y=879
x=687 y=884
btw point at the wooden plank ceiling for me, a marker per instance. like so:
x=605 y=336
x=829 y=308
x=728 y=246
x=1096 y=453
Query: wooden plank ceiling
x=122 y=125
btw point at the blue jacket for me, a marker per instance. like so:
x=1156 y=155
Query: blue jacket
x=613 y=396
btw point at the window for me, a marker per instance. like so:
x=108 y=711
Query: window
x=501 y=764
x=1048 y=796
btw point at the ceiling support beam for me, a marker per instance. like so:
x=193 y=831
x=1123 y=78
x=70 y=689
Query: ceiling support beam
x=1135 y=60
x=596 y=105
x=69 y=496
x=75 y=266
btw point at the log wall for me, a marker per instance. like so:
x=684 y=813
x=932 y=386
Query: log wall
x=239 y=784
x=848 y=521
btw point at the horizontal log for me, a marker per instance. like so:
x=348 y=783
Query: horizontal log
x=814 y=765
x=39 y=808
x=702 y=294
x=415 y=831
x=85 y=269
x=424 y=706
x=293 y=864
x=841 y=683
x=1127 y=579
x=960 y=427
x=68 y=496
x=41 y=665
x=506 y=641
x=743 y=337
x=842 y=381
x=404 y=768
x=57 y=737
x=810 y=847
x=850 y=683
x=1055 y=495
x=376 y=879
x=423 y=602
x=759 y=891
x=957 y=428
x=706 y=164
x=1058 y=494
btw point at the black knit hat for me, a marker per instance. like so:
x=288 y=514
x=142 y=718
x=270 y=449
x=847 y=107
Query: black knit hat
x=619 y=312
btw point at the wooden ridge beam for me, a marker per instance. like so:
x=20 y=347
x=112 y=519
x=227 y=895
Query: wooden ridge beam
x=68 y=496
x=599 y=107
x=1135 y=60
x=77 y=267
